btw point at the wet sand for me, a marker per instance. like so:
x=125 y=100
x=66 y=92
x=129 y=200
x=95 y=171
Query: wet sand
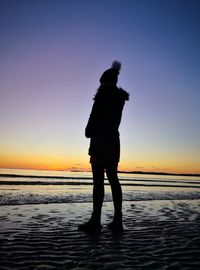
x=158 y=235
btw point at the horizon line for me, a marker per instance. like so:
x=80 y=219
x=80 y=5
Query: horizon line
x=119 y=171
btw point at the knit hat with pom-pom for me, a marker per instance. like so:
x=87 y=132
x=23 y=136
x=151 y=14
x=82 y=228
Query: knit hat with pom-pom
x=110 y=76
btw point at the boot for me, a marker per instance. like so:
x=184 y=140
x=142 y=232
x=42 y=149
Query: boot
x=116 y=225
x=91 y=226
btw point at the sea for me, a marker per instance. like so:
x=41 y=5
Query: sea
x=21 y=187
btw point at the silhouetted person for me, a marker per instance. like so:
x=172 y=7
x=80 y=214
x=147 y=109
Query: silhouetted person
x=104 y=150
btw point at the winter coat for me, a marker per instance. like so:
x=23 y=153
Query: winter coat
x=103 y=124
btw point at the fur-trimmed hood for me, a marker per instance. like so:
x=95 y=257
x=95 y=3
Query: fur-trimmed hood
x=111 y=92
x=123 y=94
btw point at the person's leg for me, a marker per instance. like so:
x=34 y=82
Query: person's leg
x=111 y=171
x=94 y=224
x=98 y=190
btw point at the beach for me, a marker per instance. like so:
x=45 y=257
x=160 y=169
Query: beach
x=40 y=212
x=158 y=235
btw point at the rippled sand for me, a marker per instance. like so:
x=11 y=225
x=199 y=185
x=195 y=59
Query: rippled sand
x=158 y=235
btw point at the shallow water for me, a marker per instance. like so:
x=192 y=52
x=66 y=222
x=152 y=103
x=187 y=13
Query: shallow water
x=35 y=187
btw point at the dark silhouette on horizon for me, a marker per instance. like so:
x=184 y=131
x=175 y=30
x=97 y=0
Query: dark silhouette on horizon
x=102 y=129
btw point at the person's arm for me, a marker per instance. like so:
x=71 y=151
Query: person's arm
x=89 y=130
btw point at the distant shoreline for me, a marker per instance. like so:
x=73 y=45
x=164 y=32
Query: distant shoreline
x=160 y=173
x=74 y=177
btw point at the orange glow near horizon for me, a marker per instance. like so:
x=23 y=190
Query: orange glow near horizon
x=35 y=162
x=60 y=163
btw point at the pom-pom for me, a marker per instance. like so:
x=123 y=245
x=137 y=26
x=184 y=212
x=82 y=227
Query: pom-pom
x=116 y=65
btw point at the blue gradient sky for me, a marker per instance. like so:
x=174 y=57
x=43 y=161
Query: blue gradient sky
x=52 y=54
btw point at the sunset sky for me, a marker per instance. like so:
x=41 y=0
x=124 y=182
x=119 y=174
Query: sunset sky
x=52 y=54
